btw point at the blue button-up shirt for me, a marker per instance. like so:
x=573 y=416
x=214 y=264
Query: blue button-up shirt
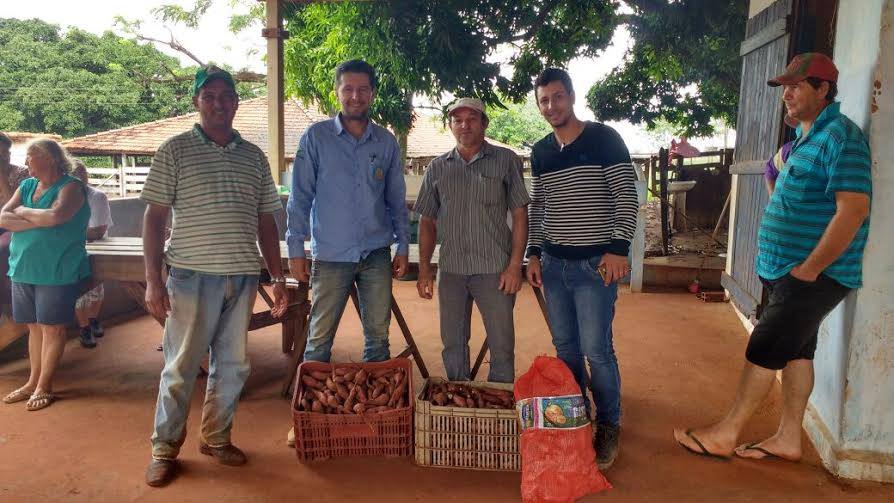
x=348 y=195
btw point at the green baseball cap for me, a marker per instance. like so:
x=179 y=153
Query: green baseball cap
x=207 y=74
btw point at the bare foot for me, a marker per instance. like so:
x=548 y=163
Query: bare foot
x=709 y=441
x=771 y=448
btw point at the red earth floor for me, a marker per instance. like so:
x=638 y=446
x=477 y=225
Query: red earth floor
x=679 y=359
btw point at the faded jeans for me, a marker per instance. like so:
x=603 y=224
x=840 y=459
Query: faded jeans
x=331 y=284
x=580 y=309
x=209 y=313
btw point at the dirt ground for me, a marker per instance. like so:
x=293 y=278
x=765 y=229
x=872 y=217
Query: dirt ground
x=679 y=358
x=691 y=242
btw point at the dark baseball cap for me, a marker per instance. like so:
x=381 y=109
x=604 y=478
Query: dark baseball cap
x=208 y=73
x=809 y=64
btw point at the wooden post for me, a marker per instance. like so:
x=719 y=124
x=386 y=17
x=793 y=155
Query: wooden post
x=274 y=34
x=679 y=222
x=121 y=164
x=662 y=182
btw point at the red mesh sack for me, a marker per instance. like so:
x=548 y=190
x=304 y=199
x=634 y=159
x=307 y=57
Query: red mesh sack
x=558 y=460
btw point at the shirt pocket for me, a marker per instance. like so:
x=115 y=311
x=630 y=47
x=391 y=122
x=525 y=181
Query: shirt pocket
x=375 y=176
x=490 y=189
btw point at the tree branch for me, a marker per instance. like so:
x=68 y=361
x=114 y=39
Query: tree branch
x=173 y=44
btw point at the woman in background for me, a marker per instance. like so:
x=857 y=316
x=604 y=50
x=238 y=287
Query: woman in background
x=48 y=215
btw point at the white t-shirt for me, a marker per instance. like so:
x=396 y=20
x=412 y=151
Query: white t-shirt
x=100 y=212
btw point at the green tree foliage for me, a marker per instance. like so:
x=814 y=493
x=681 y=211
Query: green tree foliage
x=683 y=67
x=432 y=47
x=73 y=82
x=518 y=124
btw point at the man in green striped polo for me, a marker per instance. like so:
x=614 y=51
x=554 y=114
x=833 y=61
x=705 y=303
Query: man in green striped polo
x=810 y=254
x=223 y=199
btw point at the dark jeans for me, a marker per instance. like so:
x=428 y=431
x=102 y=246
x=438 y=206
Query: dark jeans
x=581 y=309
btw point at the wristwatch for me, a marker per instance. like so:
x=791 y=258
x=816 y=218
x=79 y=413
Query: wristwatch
x=278 y=279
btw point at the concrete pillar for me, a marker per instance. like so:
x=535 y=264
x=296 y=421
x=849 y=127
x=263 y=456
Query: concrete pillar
x=850 y=418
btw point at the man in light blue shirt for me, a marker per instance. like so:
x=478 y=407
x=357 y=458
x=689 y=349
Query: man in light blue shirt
x=349 y=196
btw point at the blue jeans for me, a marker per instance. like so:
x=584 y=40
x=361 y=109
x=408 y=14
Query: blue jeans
x=455 y=295
x=208 y=313
x=580 y=309
x=331 y=284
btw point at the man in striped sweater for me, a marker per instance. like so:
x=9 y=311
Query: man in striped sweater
x=582 y=218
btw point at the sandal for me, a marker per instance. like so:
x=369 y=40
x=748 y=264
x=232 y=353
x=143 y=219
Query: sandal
x=18 y=395
x=40 y=401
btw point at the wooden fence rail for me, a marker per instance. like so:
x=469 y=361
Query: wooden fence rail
x=123 y=181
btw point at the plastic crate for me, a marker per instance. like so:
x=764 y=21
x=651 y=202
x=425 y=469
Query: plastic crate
x=322 y=436
x=466 y=438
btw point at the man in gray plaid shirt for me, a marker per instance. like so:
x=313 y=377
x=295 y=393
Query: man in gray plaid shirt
x=466 y=194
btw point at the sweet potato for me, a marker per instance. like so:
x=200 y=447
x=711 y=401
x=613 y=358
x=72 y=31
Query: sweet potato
x=499 y=393
x=331 y=384
x=360 y=376
x=439 y=398
x=398 y=377
x=381 y=399
x=316 y=406
x=458 y=400
x=381 y=372
x=332 y=401
x=361 y=393
x=310 y=382
x=349 y=402
x=396 y=393
x=359 y=408
x=320 y=376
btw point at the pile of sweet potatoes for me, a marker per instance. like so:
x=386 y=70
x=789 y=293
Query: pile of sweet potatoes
x=463 y=395
x=353 y=390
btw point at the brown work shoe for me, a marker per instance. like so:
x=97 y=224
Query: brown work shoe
x=229 y=454
x=161 y=472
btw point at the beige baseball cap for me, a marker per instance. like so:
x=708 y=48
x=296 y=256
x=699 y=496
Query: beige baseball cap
x=471 y=103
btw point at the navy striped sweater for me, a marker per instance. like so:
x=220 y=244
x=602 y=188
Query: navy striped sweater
x=583 y=196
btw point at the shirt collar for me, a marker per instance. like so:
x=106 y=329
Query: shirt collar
x=830 y=113
x=340 y=128
x=236 y=140
x=486 y=150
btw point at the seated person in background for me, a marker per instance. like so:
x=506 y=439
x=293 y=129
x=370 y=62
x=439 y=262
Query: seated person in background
x=10 y=178
x=88 y=305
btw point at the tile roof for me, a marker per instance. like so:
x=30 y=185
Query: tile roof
x=23 y=136
x=427 y=138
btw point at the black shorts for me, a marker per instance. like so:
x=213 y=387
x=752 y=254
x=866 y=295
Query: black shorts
x=788 y=327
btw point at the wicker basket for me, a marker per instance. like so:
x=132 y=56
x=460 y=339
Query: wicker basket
x=466 y=438
x=323 y=436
